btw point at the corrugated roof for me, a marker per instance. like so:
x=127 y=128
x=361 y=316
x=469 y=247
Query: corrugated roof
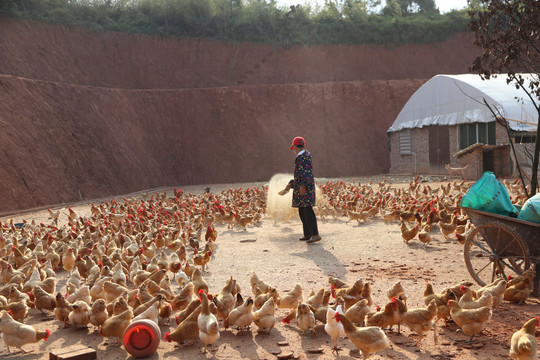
x=459 y=99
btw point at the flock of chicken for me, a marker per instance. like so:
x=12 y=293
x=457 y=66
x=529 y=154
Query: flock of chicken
x=124 y=257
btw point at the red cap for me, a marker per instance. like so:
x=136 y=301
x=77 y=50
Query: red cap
x=298 y=141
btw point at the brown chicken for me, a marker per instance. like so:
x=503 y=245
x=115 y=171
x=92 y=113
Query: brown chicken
x=265 y=318
x=397 y=291
x=43 y=300
x=409 y=215
x=305 y=318
x=49 y=285
x=53 y=257
x=443 y=310
x=17 y=335
x=408 y=233
x=471 y=321
x=211 y=233
x=257 y=283
x=35 y=279
x=17 y=310
x=116 y=325
x=421 y=320
x=351 y=295
x=366 y=294
x=18 y=257
x=16 y=295
x=227 y=217
x=243 y=220
x=82 y=293
x=164 y=313
x=529 y=273
x=262 y=298
x=424 y=236
x=336 y=283
x=175 y=264
x=111 y=291
x=353 y=215
x=241 y=316
x=188 y=269
x=448 y=229
x=199 y=283
x=68 y=260
x=62 y=309
x=457 y=292
x=468 y=302
x=154 y=290
x=387 y=317
x=389 y=215
x=368 y=339
x=357 y=313
x=184 y=297
x=98 y=313
x=118 y=306
x=519 y=292
x=290 y=299
x=202 y=259
x=461 y=238
x=523 y=345
x=188 y=328
x=183 y=314
x=496 y=289
x=317 y=299
x=157 y=276
x=225 y=300
x=143 y=307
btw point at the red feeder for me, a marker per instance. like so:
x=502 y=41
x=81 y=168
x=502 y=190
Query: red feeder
x=141 y=338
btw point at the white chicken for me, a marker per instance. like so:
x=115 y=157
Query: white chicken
x=208 y=324
x=333 y=327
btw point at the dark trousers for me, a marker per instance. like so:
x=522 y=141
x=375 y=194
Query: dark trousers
x=309 y=221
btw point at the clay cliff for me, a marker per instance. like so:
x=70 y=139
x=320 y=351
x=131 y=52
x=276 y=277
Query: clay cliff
x=92 y=114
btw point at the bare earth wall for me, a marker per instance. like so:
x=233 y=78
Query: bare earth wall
x=100 y=114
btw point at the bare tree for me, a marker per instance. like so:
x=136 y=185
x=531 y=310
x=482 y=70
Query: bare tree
x=508 y=32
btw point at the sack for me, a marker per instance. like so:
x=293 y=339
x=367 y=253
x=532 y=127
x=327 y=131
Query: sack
x=531 y=210
x=488 y=194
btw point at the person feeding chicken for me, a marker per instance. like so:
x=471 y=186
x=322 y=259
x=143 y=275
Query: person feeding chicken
x=303 y=186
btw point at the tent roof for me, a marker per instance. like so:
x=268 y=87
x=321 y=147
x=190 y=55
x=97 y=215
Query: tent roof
x=459 y=99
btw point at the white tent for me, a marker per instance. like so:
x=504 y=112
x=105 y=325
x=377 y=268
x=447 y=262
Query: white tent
x=459 y=99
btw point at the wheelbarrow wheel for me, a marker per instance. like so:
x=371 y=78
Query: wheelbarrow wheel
x=495 y=251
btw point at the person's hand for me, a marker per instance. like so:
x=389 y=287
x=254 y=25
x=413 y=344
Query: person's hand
x=284 y=191
x=302 y=190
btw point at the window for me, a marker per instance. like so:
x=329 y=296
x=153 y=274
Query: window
x=470 y=134
x=405 y=142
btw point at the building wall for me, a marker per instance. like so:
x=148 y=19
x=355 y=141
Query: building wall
x=501 y=136
x=405 y=164
x=475 y=168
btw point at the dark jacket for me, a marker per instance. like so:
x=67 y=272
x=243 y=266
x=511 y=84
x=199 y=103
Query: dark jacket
x=303 y=175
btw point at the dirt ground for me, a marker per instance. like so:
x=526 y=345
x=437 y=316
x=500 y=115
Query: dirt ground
x=373 y=251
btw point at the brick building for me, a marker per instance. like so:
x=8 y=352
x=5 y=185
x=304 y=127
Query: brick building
x=447 y=121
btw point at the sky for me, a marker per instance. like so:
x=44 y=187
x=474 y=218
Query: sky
x=443 y=5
